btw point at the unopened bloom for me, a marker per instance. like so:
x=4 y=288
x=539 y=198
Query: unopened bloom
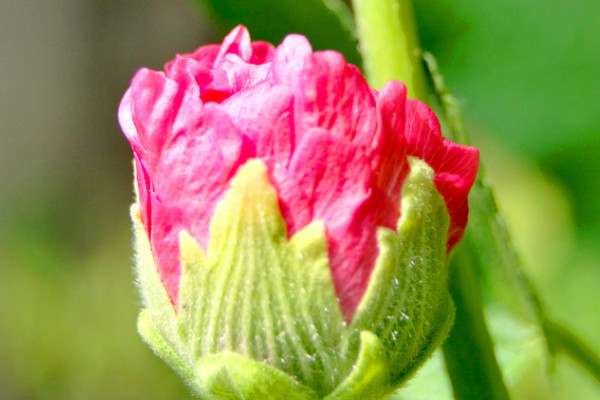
x=293 y=223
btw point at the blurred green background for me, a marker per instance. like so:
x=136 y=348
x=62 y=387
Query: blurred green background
x=526 y=73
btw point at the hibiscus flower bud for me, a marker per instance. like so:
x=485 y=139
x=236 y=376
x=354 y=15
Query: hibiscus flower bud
x=292 y=225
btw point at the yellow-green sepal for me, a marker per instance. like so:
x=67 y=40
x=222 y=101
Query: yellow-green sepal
x=407 y=304
x=258 y=308
x=163 y=349
x=231 y=376
x=370 y=375
x=253 y=293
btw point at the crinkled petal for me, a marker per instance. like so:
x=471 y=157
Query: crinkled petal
x=185 y=71
x=262 y=53
x=290 y=55
x=241 y=75
x=236 y=42
x=455 y=165
x=330 y=94
x=161 y=109
x=388 y=151
x=265 y=115
x=326 y=177
x=205 y=55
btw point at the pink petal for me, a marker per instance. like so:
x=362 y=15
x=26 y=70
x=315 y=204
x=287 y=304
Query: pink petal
x=237 y=66
x=241 y=75
x=455 y=166
x=265 y=115
x=126 y=120
x=161 y=110
x=236 y=42
x=388 y=151
x=293 y=50
x=144 y=192
x=262 y=53
x=329 y=94
x=205 y=55
x=184 y=68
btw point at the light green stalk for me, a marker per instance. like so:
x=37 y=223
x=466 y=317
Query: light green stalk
x=469 y=350
x=389 y=44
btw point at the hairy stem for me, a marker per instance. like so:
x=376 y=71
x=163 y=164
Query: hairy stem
x=389 y=44
x=469 y=351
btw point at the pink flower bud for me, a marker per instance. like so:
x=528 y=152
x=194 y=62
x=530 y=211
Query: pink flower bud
x=292 y=224
x=335 y=150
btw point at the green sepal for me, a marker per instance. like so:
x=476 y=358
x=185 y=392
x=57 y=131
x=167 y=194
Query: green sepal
x=230 y=376
x=154 y=295
x=253 y=292
x=258 y=304
x=161 y=348
x=370 y=378
x=407 y=304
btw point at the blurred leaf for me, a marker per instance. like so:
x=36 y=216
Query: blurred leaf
x=579 y=170
x=71 y=334
x=429 y=383
x=562 y=339
x=528 y=69
x=327 y=23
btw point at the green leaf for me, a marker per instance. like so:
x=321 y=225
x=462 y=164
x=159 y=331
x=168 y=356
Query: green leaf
x=326 y=23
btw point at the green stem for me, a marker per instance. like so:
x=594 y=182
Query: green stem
x=389 y=44
x=562 y=339
x=469 y=351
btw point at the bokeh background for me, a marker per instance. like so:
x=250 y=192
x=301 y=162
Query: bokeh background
x=526 y=73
